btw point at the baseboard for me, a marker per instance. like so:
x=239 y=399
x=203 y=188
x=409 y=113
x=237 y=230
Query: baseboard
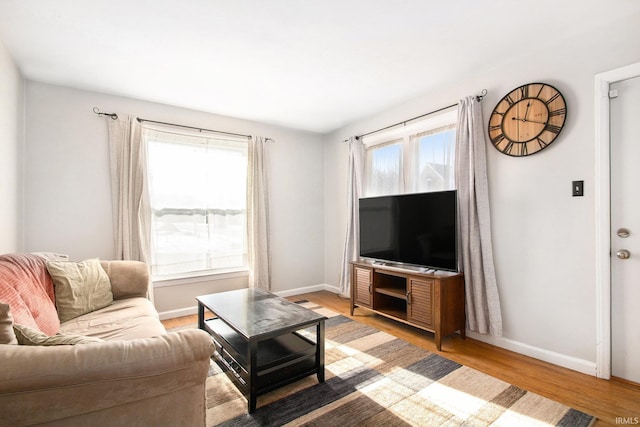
x=570 y=362
x=170 y=314
x=188 y=311
x=307 y=289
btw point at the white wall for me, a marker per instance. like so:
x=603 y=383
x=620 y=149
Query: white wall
x=11 y=119
x=68 y=199
x=544 y=239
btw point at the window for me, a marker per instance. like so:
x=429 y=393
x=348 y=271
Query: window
x=384 y=166
x=197 y=186
x=436 y=159
x=415 y=158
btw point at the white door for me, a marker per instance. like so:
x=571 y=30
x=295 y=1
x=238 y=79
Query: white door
x=625 y=229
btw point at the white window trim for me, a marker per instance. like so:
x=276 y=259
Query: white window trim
x=431 y=122
x=198 y=277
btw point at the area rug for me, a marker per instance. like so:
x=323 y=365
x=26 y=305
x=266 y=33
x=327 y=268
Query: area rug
x=376 y=379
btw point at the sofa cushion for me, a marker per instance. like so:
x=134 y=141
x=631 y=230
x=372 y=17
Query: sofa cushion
x=29 y=336
x=80 y=287
x=128 y=278
x=7 y=336
x=26 y=286
x=125 y=319
x=52 y=256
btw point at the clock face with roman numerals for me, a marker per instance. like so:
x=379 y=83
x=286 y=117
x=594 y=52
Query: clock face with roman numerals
x=527 y=119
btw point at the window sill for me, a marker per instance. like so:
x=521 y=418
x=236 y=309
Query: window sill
x=202 y=276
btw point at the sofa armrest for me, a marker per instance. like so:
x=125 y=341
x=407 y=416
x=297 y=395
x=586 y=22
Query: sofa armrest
x=128 y=278
x=45 y=384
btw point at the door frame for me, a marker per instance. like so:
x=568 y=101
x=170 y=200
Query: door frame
x=603 y=213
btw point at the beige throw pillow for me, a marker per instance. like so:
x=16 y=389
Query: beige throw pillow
x=7 y=336
x=80 y=287
x=29 y=336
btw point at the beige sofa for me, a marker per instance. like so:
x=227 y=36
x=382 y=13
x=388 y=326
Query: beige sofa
x=140 y=375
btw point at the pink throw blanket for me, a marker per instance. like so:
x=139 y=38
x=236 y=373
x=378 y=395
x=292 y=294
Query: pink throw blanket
x=26 y=286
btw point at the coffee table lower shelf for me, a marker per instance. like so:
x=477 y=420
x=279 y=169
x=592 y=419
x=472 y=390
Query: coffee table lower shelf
x=280 y=359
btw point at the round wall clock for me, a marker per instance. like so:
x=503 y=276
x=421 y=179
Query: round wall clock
x=527 y=119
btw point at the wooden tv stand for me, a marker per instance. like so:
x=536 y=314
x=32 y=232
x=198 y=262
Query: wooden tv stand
x=431 y=301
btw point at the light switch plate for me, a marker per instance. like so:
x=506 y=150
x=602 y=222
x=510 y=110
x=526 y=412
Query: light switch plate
x=577 y=188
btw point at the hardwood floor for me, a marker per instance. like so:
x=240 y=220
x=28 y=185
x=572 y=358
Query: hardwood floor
x=613 y=402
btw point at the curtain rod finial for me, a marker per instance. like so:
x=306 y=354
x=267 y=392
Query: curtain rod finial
x=113 y=116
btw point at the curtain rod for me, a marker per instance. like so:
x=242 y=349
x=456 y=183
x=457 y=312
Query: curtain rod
x=114 y=116
x=478 y=98
x=195 y=128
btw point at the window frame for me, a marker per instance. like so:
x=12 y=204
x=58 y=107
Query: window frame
x=189 y=277
x=410 y=154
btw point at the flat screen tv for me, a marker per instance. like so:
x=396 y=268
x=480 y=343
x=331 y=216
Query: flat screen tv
x=416 y=229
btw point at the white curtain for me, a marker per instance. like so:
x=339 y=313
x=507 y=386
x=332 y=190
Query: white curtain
x=476 y=250
x=355 y=186
x=258 y=214
x=129 y=191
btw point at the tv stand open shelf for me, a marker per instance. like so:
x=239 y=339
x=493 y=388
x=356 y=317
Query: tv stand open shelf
x=396 y=293
x=431 y=301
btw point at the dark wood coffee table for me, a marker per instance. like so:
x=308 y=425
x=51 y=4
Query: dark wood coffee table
x=257 y=340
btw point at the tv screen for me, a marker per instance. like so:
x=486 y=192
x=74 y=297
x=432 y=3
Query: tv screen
x=418 y=229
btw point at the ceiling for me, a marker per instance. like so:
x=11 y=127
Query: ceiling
x=314 y=66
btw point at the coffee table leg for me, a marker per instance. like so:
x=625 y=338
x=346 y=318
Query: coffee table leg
x=253 y=376
x=320 y=351
x=200 y=316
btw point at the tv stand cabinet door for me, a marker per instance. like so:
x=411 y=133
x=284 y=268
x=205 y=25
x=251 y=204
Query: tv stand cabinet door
x=420 y=301
x=361 y=294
